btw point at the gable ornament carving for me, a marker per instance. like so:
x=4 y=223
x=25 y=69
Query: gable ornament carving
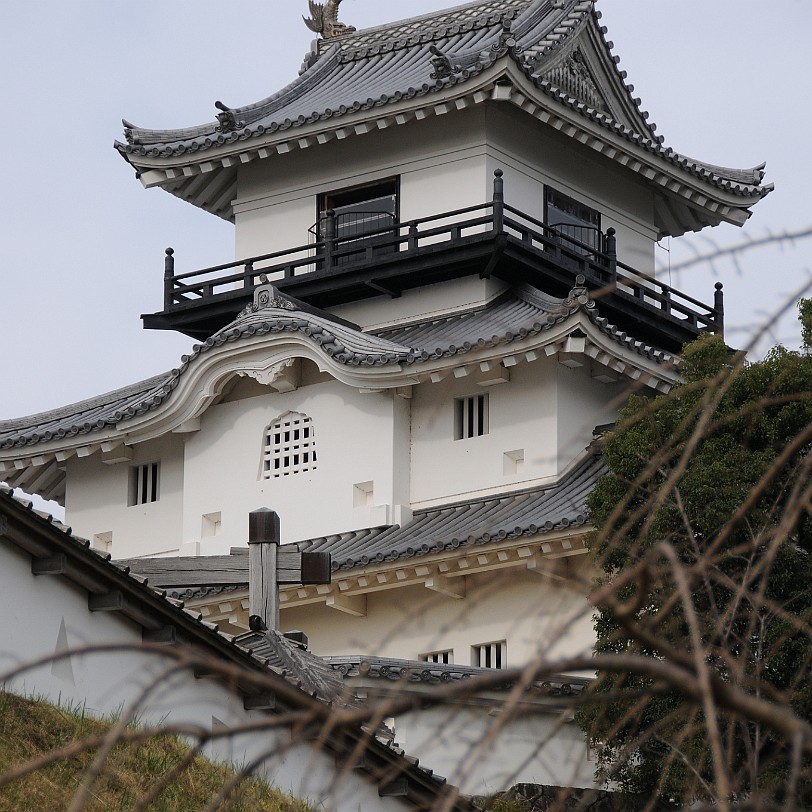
x=573 y=76
x=282 y=376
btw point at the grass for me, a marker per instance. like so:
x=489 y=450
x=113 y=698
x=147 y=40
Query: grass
x=29 y=728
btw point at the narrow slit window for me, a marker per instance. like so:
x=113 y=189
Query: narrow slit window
x=470 y=417
x=289 y=446
x=145 y=483
x=489 y=655
x=445 y=657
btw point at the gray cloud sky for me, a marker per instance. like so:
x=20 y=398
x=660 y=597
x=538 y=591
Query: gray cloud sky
x=82 y=242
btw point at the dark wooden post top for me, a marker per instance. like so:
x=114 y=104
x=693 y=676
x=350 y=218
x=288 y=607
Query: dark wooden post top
x=263 y=592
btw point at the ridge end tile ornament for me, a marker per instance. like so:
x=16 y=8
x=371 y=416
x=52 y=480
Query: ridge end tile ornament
x=324 y=19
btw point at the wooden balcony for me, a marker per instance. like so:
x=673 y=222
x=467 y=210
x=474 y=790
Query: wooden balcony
x=492 y=239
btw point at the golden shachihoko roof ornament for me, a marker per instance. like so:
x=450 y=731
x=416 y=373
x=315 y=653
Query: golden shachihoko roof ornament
x=324 y=19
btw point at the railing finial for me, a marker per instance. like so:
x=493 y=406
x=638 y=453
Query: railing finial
x=719 y=308
x=498 y=201
x=169 y=276
x=611 y=250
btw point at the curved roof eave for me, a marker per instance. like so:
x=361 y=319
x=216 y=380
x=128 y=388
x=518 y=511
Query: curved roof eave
x=725 y=194
x=168 y=403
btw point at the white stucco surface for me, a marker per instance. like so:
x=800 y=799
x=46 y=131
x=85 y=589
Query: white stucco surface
x=47 y=614
x=537 y=616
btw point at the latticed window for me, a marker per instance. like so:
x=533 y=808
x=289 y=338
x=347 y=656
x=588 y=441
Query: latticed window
x=290 y=447
x=470 y=417
x=490 y=655
x=144 y=483
x=445 y=657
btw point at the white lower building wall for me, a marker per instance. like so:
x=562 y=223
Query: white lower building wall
x=47 y=614
x=536 y=615
x=483 y=752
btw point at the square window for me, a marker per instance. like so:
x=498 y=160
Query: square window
x=470 y=417
x=489 y=655
x=288 y=447
x=144 y=483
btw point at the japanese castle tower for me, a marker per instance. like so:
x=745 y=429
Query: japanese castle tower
x=445 y=231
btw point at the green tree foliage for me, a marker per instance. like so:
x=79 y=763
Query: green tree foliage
x=704 y=537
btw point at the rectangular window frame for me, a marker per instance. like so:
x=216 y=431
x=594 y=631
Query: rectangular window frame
x=471 y=416
x=490 y=655
x=574 y=219
x=144 y=484
x=440 y=657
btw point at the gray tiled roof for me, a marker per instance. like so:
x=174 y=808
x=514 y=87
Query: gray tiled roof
x=464 y=524
x=377 y=67
x=310 y=673
x=515 y=315
x=469 y=523
x=418 y=671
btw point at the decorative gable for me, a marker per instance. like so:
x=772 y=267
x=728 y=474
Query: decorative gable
x=573 y=76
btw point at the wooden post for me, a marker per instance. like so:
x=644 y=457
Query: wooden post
x=611 y=250
x=169 y=277
x=329 y=238
x=719 y=309
x=263 y=547
x=498 y=202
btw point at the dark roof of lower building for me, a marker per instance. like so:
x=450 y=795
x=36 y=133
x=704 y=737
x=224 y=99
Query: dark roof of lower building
x=430 y=673
x=540 y=510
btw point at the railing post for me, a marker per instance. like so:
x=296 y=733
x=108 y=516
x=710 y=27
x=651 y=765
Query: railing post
x=719 y=309
x=611 y=250
x=248 y=275
x=264 y=537
x=498 y=201
x=329 y=238
x=412 y=236
x=169 y=277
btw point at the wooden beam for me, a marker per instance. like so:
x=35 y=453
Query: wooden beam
x=355 y=605
x=112 y=601
x=55 y=565
x=260 y=702
x=293 y=567
x=394 y=789
x=166 y=635
x=450 y=587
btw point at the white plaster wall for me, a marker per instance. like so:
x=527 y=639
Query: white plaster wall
x=355 y=443
x=536 y=615
x=96 y=499
x=45 y=614
x=522 y=416
x=532 y=154
x=483 y=753
x=583 y=404
x=444 y=163
x=440 y=162
x=421 y=304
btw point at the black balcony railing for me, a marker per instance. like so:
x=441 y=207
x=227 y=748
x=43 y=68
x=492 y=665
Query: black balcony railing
x=341 y=256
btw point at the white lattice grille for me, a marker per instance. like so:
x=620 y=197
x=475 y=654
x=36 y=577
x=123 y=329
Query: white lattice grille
x=290 y=447
x=470 y=417
x=490 y=655
x=144 y=483
x=445 y=657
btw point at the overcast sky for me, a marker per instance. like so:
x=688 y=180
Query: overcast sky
x=727 y=81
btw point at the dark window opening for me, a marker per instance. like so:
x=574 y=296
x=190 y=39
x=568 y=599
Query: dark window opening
x=573 y=219
x=470 y=417
x=359 y=211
